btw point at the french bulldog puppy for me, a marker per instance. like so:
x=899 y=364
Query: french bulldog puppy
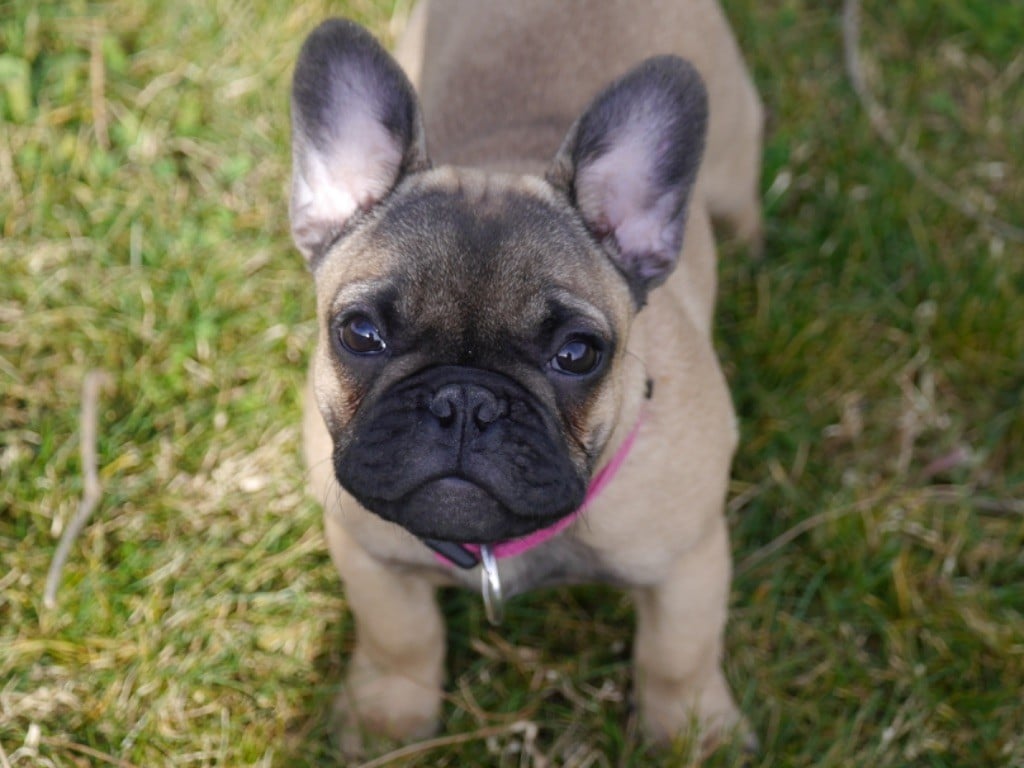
x=514 y=383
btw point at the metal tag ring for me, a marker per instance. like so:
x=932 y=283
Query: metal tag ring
x=490 y=587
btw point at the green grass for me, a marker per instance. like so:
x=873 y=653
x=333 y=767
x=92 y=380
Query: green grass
x=876 y=357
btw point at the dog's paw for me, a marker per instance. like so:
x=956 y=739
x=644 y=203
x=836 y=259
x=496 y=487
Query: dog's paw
x=708 y=717
x=373 y=709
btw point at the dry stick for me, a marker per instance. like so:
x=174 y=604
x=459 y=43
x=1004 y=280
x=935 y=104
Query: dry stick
x=443 y=741
x=98 y=86
x=4 y=762
x=913 y=163
x=88 y=751
x=939 y=494
x=808 y=524
x=90 y=493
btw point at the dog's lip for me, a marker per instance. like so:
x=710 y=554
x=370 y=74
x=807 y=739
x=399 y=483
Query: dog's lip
x=479 y=520
x=456 y=481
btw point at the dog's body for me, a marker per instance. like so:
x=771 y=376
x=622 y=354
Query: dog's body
x=507 y=304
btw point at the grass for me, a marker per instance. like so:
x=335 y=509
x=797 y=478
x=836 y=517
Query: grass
x=876 y=357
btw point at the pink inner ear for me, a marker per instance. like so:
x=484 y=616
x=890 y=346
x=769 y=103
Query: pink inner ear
x=357 y=169
x=616 y=194
x=650 y=231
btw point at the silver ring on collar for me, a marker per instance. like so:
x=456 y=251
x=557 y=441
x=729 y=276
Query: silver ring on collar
x=490 y=587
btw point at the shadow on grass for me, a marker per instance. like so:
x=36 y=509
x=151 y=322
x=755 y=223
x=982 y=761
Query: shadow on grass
x=311 y=739
x=515 y=684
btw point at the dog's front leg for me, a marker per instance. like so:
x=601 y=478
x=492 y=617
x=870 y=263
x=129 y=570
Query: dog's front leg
x=678 y=646
x=393 y=684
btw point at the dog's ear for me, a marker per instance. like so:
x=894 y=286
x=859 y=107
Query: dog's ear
x=630 y=162
x=356 y=131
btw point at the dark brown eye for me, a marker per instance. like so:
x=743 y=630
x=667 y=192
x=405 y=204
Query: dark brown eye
x=360 y=336
x=577 y=358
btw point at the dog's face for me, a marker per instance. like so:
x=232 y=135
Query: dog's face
x=473 y=325
x=465 y=375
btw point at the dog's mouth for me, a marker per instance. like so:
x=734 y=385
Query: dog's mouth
x=454 y=509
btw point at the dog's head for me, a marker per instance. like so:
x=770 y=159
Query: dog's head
x=473 y=325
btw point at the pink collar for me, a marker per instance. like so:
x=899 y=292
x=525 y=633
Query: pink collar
x=599 y=483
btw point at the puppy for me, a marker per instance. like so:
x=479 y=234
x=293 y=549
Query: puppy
x=514 y=383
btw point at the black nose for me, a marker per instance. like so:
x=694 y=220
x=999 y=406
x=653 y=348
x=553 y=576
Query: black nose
x=452 y=404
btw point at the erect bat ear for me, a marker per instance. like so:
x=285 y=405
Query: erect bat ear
x=630 y=162
x=356 y=131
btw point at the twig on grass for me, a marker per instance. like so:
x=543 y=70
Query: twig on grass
x=953 y=494
x=91 y=385
x=88 y=752
x=883 y=127
x=428 y=745
x=98 y=86
x=808 y=524
x=940 y=494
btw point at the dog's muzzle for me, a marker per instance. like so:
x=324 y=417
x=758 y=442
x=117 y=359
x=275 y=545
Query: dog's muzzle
x=460 y=454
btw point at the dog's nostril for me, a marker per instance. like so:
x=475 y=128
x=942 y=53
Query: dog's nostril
x=485 y=407
x=453 y=401
x=447 y=402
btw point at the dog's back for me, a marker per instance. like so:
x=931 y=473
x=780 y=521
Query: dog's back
x=503 y=82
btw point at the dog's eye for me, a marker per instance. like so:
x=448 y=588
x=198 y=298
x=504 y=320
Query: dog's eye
x=577 y=358
x=360 y=336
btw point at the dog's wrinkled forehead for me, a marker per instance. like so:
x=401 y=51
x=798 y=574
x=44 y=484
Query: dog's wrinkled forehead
x=466 y=252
